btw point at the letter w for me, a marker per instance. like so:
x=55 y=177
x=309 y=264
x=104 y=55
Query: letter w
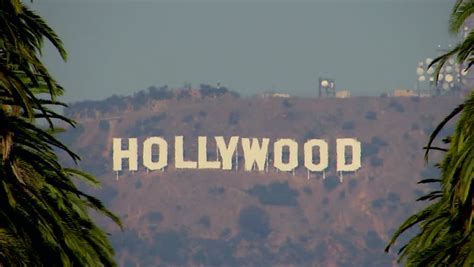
x=254 y=153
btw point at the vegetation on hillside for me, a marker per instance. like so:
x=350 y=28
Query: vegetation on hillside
x=115 y=103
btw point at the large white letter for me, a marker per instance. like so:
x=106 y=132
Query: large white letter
x=255 y=153
x=131 y=154
x=323 y=155
x=148 y=154
x=202 y=155
x=226 y=151
x=292 y=155
x=341 y=154
x=180 y=163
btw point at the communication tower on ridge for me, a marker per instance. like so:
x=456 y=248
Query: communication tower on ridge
x=327 y=87
x=453 y=78
x=450 y=79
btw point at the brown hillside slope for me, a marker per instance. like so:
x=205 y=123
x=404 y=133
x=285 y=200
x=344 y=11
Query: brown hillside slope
x=238 y=218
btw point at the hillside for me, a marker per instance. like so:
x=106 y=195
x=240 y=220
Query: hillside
x=237 y=218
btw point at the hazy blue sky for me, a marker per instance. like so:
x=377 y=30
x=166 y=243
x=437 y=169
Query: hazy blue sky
x=120 y=47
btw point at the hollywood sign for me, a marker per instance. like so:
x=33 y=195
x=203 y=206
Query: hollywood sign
x=255 y=153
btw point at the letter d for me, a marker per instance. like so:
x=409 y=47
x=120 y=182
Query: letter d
x=341 y=144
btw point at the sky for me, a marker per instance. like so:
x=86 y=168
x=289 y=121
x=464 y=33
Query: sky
x=121 y=47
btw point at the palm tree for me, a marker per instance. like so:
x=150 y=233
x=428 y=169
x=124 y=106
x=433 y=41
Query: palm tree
x=446 y=233
x=44 y=218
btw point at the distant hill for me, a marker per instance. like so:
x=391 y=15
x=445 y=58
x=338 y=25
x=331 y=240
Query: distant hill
x=238 y=218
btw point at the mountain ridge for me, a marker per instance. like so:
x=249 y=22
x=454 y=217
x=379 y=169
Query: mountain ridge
x=237 y=218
